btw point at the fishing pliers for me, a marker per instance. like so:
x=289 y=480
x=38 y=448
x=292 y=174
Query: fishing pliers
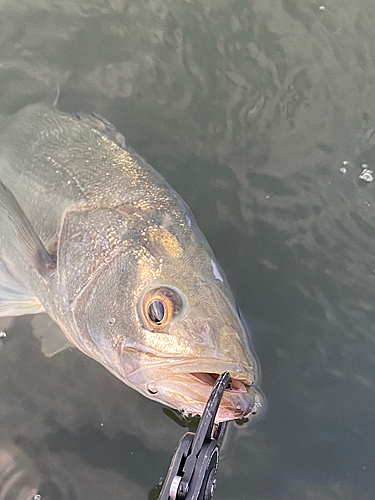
x=192 y=472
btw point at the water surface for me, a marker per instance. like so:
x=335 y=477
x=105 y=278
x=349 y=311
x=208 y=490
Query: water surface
x=261 y=114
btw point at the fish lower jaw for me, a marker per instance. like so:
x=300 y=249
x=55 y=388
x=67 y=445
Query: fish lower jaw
x=228 y=410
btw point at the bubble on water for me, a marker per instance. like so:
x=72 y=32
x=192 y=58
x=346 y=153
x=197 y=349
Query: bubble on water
x=20 y=480
x=343 y=170
x=3 y=335
x=322 y=7
x=366 y=174
x=112 y=321
x=345 y=162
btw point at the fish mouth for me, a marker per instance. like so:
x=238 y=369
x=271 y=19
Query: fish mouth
x=186 y=383
x=189 y=392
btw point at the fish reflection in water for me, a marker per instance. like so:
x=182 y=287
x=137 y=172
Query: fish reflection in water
x=93 y=236
x=20 y=479
x=30 y=472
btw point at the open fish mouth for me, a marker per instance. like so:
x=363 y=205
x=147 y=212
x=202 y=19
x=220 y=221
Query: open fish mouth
x=189 y=392
x=186 y=383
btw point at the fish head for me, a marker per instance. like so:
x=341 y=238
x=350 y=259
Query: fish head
x=162 y=318
x=190 y=334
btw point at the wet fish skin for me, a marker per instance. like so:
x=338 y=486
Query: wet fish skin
x=116 y=233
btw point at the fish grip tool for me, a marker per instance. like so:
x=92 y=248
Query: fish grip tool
x=192 y=473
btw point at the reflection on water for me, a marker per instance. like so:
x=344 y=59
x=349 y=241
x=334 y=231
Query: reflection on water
x=262 y=116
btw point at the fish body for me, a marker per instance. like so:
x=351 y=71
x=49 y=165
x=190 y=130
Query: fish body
x=96 y=238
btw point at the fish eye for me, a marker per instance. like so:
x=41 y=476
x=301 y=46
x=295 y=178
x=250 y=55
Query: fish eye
x=156 y=311
x=159 y=306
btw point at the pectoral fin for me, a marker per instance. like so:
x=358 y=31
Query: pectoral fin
x=15 y=300
x=50 y=335
x=18 y=239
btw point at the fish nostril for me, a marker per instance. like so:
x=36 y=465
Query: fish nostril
x=200 y=327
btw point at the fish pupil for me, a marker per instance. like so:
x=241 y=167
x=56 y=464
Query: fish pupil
x=156 y=311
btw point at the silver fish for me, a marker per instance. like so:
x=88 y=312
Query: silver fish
x=93 y=236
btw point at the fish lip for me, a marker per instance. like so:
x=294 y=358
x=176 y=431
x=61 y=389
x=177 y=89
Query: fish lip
x=189 y=366
x=184 y=364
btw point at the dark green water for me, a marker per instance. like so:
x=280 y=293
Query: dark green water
x=249 y=109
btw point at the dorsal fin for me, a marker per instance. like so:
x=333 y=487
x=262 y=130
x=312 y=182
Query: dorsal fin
x=103 y=126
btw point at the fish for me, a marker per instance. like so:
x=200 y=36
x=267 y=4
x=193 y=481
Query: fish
x=97 y=245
